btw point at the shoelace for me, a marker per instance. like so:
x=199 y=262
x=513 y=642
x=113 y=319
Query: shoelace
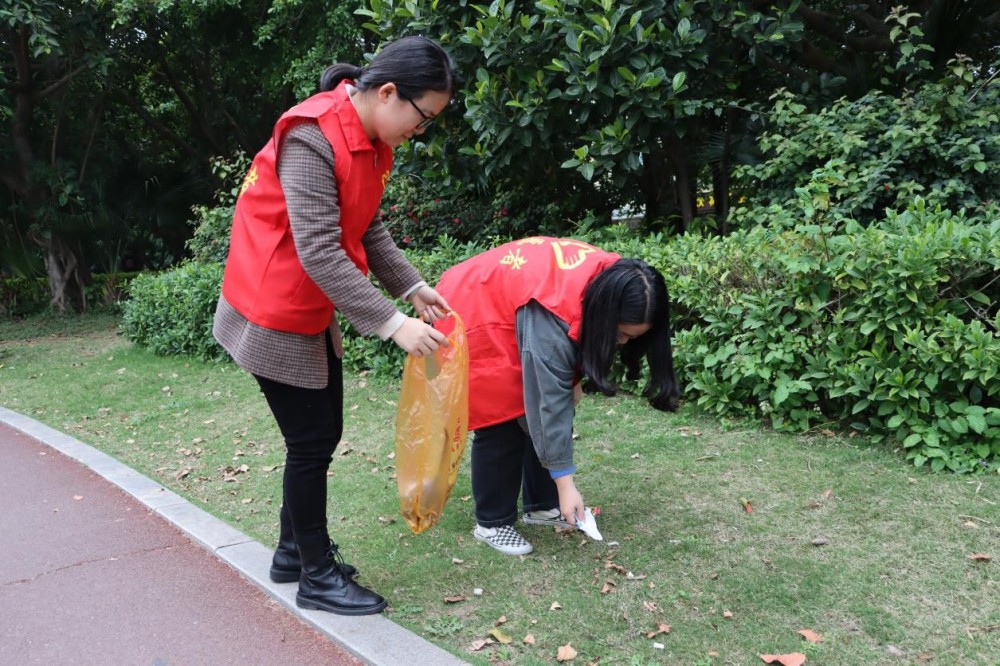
x=334 y=555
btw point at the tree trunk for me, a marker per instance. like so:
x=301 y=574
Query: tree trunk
x=655 y=182
x=684 y=182
x=66 y=277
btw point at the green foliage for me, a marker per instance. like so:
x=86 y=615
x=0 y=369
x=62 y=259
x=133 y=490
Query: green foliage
x=859 y=157
x=417 y=216
x=213 y=224
x=27 y=296
x=171 y=312
x=23 y=296
x=210 y=242
x=598 y=103
x=893 y=330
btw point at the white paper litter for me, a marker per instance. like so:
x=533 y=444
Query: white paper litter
x=588 y=525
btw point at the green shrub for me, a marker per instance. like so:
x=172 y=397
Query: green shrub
x=892 y=330
x=858 y=157
x=171 y=312
x=210 y=241
x=20 y=297
x=417 y=216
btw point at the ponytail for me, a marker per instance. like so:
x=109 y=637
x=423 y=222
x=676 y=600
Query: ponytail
x=415 y=64
x=336 y=73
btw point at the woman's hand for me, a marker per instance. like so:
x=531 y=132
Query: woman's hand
x=429 y=304
x=570 y=500
x=418 y=338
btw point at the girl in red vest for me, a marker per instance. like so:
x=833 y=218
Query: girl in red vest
x=540 y=314
x=303 y=240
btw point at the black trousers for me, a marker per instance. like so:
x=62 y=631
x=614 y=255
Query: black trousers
x=504 y=462
x=311 y=422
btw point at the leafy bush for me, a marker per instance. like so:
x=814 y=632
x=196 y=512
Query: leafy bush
x=416 y=216
x=858 y=157
x=210 y=241
x=213 y=224
x=20 y=297
x=171 y=312
x=893 y=330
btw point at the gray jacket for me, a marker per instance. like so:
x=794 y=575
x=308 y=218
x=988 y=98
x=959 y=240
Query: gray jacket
x=549 y=360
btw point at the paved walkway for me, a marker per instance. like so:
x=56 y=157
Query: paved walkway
x=101 y=565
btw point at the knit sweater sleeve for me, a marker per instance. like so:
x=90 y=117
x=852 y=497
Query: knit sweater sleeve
x=305 y=170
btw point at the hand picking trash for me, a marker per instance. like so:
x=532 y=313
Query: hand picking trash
x=588 y=525
x=542 y=314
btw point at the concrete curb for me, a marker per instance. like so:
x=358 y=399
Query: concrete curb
x=372 y=638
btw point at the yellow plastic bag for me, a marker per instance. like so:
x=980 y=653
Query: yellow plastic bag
x=432 y=421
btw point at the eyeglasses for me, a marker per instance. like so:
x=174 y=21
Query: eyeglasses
x=427 y=120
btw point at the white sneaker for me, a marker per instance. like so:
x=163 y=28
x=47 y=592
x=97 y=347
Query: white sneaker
x=504 y=538
x=548 y=517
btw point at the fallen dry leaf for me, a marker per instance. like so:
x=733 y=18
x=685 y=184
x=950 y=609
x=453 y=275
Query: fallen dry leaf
x=662 y=629
x=747 y=506
x=828 y=493
x=810 y=635
x=480 y=643
x=555 y=606
x=650 y=606
x=793 y=659
x=978 y=557
x=500 y=620
x=501 y=636
x=78 y=497
x=529 y=640
x=565 y=653
x=727 y=614
x=608 y=587
x=454 y=599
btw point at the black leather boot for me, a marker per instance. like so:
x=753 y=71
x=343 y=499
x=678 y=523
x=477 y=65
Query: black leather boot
x=286 y=567
x=323 y=585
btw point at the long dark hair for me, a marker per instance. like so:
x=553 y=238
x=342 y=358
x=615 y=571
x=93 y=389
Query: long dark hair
x=629 y=291
x=415 y=64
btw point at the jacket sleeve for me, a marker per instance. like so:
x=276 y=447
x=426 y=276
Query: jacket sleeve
x=305 y=170
x=387 y=262
x=548 y=361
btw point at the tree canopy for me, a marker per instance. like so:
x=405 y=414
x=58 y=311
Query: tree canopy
x=117 y=109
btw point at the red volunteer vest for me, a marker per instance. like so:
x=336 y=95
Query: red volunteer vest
x=486 y=292
x=264 y=279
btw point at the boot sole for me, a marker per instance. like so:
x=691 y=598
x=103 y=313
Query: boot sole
x=312 y=604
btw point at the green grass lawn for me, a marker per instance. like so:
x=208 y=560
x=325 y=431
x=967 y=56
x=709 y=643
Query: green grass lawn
x=843 y=539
